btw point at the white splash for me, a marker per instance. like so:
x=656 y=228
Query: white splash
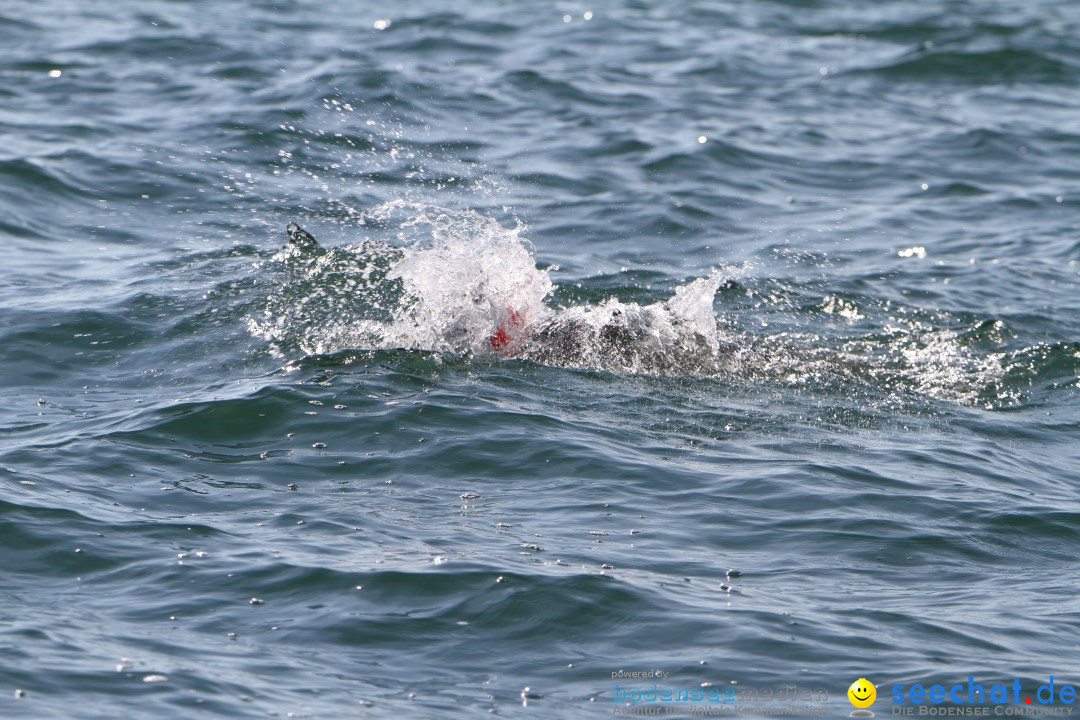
x=460 y=282
x=469 y=277
x=678 y=336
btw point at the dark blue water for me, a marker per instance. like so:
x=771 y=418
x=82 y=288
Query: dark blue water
x=786 y=390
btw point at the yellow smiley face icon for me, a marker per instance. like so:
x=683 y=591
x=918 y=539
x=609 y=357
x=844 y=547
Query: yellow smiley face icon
x=862 y=693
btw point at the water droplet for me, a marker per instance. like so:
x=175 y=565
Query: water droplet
x=55 y=73
x=381 y=24
x=154 y=678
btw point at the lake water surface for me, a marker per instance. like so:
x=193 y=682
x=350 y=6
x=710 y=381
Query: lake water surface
x=787 y=391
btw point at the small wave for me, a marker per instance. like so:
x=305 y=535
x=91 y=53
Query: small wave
x=991 y=66
x=36 y=175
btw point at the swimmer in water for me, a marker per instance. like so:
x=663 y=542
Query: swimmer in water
x=613 y=335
